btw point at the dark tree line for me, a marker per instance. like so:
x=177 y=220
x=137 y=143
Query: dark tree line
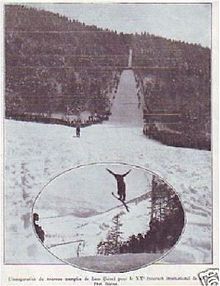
x=161 y=236
x=163 y=233
x=54 y=64
x=175 y=77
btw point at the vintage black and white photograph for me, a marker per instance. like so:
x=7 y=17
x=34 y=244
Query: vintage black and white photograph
x=108 y=221
x=107 y=145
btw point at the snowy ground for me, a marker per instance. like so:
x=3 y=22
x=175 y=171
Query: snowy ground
x=36 y=153
x=77 y=208
x=126 y=103
x=78 y=205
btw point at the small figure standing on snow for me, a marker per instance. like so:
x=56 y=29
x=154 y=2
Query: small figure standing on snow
x=120 y=184
x=78 y=249
x=78 y=130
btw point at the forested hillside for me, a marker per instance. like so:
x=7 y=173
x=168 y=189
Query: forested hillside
x=58 y=65
x=175 y=79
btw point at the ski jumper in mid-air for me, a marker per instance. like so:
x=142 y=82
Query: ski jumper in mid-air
x=120 y=184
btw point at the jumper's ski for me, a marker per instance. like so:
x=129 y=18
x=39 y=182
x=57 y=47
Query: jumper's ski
x=127 y=209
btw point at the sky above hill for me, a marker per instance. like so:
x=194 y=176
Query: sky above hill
x=187 y=22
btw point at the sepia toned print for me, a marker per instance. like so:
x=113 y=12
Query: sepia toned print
x=108 y=140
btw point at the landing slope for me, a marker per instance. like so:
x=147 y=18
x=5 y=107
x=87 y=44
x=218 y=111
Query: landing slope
x=35 y=153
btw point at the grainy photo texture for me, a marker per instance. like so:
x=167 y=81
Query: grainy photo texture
x=108 y=154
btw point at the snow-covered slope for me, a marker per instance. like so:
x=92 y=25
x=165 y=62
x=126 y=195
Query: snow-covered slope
x=92 y=230
x=126 y=108
x=35 y=153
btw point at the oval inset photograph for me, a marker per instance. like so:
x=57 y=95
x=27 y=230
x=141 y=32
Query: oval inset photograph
x=108 y=217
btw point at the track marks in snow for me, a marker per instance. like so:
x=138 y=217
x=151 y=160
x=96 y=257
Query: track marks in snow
x=47 y=150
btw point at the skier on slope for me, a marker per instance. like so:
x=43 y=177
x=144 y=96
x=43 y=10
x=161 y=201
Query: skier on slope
x=120 y=184
x=78 y=130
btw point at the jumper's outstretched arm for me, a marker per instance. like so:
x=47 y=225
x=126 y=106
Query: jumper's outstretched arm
x=110 y=172
x=124 y=175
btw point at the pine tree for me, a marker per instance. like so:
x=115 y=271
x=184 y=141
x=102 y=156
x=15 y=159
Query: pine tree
x=113 y=239
x=114 y=236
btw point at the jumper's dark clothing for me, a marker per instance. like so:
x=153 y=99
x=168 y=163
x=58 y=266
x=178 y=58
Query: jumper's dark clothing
x=78 y=131
x=120 y=184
